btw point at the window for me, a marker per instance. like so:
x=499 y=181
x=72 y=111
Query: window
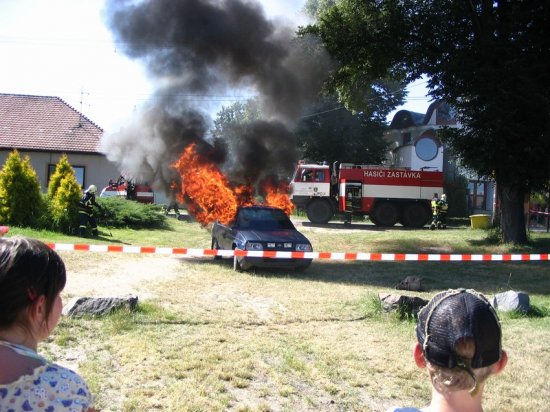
x=426 y=148
x=478 y=195
x=320 y=176
x=79 y=172
x=307 y=175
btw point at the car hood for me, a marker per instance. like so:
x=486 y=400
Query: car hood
x=273 y=236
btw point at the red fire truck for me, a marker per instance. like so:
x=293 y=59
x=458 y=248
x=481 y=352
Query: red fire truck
x=386 y=195
x=130 y=190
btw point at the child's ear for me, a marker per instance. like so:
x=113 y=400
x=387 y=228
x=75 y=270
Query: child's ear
x=418 y=356
x=499 y=366
x=37 y=310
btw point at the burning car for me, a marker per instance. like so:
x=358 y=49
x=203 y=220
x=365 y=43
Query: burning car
x=261 y=228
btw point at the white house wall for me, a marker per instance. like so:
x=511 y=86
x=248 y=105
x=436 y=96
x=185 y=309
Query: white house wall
x=98 y=170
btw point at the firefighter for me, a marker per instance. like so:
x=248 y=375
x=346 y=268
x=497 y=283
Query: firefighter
x=173 y=203
x=130 y=190
x=86 y=211
x=435 y=211
x=443 y=207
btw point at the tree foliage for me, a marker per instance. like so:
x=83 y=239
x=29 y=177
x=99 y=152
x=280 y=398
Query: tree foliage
x=488 y=59
x=231 y=122
x=368 y=77
x=64 y=193
x=332 y=133
x=21 y=202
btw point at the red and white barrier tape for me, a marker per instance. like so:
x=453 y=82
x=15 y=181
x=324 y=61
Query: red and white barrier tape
x=303 y=255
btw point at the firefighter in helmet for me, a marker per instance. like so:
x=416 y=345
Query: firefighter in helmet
x=443 y=207
x=86 y=211
x=439 y=211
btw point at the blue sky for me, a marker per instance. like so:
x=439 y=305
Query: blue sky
x=62 y=48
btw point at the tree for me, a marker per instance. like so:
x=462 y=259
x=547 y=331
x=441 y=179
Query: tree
x=231 y=121
x=367 y=77
x=331 y=133
x=21 y=202
x=64 y=192
x=488 y=59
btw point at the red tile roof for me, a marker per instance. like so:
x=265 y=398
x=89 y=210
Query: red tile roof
x=45 y=123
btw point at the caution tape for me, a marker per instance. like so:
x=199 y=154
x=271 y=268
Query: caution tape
x=389 y=257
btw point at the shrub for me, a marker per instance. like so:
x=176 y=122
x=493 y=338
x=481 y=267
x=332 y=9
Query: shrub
x=120 y=212
x=21 y=202
x=64 y=193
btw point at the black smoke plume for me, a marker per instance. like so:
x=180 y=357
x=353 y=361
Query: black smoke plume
x=201 y=47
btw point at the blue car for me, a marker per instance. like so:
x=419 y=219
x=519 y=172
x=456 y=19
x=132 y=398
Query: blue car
x=261 y=228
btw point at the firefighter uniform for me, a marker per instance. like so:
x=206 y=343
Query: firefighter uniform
x=439 y=212
x=443 y=207
x=86 y=211
x=435 y=200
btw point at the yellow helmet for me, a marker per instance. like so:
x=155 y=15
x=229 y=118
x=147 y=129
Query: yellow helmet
x=92 y=189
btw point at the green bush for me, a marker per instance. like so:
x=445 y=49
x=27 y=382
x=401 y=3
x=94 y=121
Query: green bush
x=21 y=201
x=120 y=212
x=64 y=193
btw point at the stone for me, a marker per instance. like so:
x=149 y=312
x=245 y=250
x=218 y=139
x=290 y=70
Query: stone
x=100 y=306
x=511 y=301
x=404 y=305
x=412 y=283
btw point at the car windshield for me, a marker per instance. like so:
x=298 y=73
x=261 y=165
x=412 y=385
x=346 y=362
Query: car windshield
x=263 y=219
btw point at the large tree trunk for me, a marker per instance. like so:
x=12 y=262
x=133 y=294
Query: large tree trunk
x=512 y=216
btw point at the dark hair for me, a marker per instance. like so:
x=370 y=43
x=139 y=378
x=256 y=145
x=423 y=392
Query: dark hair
x=28 y=269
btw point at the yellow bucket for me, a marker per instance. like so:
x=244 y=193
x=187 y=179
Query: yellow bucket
x=480 y=221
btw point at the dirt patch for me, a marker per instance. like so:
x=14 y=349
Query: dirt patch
x=117 y=275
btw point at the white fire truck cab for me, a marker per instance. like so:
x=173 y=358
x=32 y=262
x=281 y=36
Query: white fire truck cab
x=386 y=195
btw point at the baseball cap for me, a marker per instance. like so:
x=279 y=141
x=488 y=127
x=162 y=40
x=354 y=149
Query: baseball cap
x=453 y=315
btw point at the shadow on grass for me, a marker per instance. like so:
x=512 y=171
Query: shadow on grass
x=535 y=243
x=486 y=277
x=365 y=226
x=535 y=311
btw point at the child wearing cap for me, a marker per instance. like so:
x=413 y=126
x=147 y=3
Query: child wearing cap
x=459 y=342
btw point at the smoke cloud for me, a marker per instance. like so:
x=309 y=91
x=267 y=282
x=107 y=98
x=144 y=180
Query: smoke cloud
x=202 y=47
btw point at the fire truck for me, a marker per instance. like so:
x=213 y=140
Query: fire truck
x=386 y=195
x=129 y=189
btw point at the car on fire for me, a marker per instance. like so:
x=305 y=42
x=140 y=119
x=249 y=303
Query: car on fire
x=262 y=228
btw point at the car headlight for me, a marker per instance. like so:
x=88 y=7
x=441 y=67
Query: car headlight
x=303 y=247
x=254 y=246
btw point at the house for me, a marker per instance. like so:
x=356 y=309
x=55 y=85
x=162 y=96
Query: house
x=415 y=144
x=44 y=128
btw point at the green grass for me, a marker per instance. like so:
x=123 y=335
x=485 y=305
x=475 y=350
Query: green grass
x=209 y=338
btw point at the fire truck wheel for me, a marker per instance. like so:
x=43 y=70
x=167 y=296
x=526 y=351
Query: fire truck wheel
x=319 y=211
x=385 y=214
x=415 y=215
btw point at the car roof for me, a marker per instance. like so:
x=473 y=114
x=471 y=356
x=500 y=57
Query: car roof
x=261 y=207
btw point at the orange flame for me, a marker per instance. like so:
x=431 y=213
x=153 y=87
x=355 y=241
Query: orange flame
x=209 y=195
x=207 y=191
x=276 y=194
